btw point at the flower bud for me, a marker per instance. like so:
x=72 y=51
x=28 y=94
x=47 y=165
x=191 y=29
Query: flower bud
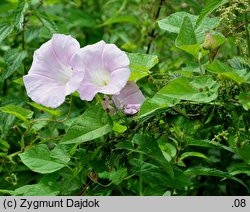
x=210 y=43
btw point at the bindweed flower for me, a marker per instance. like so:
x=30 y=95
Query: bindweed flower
x=106 y=70
x=55 y=71
x=130 y=99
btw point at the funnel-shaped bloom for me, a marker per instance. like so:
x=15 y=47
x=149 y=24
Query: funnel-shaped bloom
x=55 y=72
x=130 y=99
x=106 y=70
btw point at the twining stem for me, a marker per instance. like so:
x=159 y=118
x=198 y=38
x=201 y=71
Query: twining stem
x=140 y=179
x=57 y=121
x=200 y=65
x=247 y=34
x=153 y=30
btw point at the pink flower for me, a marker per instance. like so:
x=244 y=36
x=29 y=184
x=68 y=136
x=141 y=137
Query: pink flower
x=106 y=70
x=55 y=71
x=130 y=99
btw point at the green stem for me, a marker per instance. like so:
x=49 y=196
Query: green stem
x=200 y=65
x=247 y=34
x=140 y=180
x=152 y=34
x=5 y=192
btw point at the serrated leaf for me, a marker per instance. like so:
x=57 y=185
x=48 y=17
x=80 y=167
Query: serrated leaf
x=5 y=30
x=215 y=173
x=4 y=146
x=19 y=14
x=153 y=175
x=201 y=89
x=94 y=123
x=192 y=154
x=210 y=7
x=14 y=59
x=53 y=112
x=40 y=159
x=207 y=143
x=239 y=169
x=46 y=21
x=32 y=33
x=239 y=76
x=17 y=111
x=140 y=64
x=150 y=148
x=244 y=99
x=115 y=176
x=240 y=63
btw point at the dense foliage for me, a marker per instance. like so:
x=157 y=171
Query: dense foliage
x=190 y=59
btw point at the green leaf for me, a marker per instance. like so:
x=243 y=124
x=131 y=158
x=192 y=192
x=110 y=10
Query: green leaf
x=186 y=39
x=46 y=187
x=32 y=33
x=18 y=112
x=244 y=150
x=150 y=148
x=169 y=151
x=239 y=169
x=215 y=173
x=207 y=143
x=19 y=14
x=40 y=159
x=115 y=176
x=201 y=89
x=208 y=24
x=119 y=128
x=186 y=35
x=155 y=179
x=4 y=146
x=5 y=30
x=244 y=99
x=14 y=59
x=34 y=190
x=94 y=123
x=53 y=112
x=156 y=105
x=174 y=22
x=192 y=154
x=46 y=21
x=140 y=64
x=239 y=76
x=19 y=81
x=210 y=7
x=240 y=63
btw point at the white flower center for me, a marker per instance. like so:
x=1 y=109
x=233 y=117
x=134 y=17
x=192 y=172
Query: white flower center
x=64 y=75
x=100 y=78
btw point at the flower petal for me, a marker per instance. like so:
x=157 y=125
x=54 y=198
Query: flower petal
x=130 y=98
x=110 y=52
x=87 y=91
x=106 y=70
x=53 y=75
x=44 y=90
x=118 y=80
